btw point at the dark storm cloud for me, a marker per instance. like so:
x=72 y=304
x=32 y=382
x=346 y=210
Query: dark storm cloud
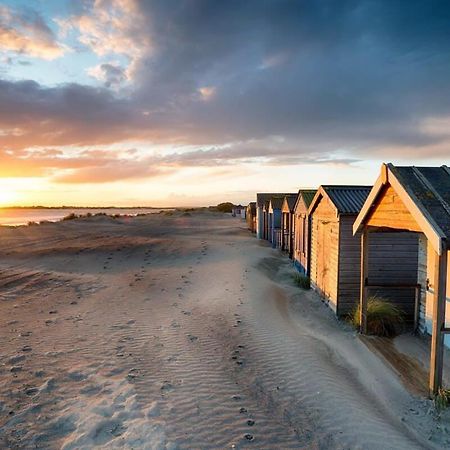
x=325 y=75
x=356 y=72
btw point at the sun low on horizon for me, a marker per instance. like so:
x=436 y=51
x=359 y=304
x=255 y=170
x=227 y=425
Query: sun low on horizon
x=177 y=103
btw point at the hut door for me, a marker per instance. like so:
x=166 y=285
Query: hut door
x=324 y=244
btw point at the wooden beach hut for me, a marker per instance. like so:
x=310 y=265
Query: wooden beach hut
x=251 y=216
x=413 y=200
x=262 y=207
x=287 y=224
x=335 y=253
x=274 y=210
x=261 y=199
x=302 y=234
x=238 y=211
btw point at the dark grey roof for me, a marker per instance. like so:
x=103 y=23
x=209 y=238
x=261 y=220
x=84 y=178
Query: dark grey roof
x=307 y=195
x=429 y=187
x=261 y=198
x=277 y=202
x=348 y=199
x=291 y=200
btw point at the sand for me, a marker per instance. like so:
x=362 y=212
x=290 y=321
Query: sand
x=185 y=332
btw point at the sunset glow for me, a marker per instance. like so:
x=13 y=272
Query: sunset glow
x=128 y=102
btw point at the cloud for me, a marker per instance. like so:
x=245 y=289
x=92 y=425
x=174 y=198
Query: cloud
x=111 y=27
x=25 y=32
x=111 y=74
x=274 y=82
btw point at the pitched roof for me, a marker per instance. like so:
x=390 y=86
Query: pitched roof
x=262 y=197
x=252 y=207
x=425 y=191
x=347 y=199
x=291 y=200
x=431 y=188
x=307 y=195
x=276 y=202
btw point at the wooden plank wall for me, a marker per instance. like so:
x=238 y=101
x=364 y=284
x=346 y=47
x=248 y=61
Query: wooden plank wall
x=349 y=265
x=299 y=256
x=324 y=251
x=393 y=259
x=390 y=211
x=429 y=300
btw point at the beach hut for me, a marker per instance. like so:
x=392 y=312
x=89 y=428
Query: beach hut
x=261 y=199
x=413 y=200
x=302 y=234
x=251 y=216
x=335 y=253
x=274 y=220
x=238 y=211
x=287 y=224
x=262 y=211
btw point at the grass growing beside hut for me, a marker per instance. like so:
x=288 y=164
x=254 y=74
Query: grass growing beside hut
x=383 y=317
x=302 y=281
x=442 y=399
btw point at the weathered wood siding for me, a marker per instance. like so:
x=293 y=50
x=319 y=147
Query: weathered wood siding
x=390 y=211
x=430 y=293
x=422 y=279
x=324 y=251
x=394 y=259
x=349 y=266
x=301 y=244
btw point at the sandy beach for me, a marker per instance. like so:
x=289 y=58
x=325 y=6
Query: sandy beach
x=183 y=331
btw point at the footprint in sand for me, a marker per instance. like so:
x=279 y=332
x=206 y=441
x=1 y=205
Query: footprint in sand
x=15 y=359
x=192 y=338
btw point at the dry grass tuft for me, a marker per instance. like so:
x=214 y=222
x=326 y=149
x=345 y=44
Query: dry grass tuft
x=302 y=281
x=383 y=317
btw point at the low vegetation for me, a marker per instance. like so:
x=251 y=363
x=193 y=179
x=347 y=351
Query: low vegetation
x=225 y=207
x=442 y=399
x=302 y=281
x=70 y=216
x=383 y=317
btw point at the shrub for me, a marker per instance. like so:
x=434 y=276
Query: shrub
x=383 y=317
x=442 y=399
x=70 y=216
x=302 y=281
x=225 y=207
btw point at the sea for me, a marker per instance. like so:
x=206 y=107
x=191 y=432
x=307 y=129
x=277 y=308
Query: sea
x=22 y=216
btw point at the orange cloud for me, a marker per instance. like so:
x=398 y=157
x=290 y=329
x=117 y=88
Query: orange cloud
x=27 y=34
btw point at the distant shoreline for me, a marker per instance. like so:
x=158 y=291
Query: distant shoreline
x=91 y=207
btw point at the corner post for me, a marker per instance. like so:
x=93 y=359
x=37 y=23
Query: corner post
x=364 y=275
x=437 y=335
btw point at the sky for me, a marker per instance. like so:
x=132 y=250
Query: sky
x=194 y=102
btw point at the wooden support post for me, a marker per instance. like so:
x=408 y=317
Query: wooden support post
x=364 y=274
x=437 y=335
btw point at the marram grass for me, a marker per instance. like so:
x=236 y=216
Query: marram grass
x=302 y=281
x=383 y=317
x=442 y=399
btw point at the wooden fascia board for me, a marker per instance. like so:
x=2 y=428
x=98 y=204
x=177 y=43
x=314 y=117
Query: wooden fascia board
x=297 y=201
x=370 y=200
x=319 y=194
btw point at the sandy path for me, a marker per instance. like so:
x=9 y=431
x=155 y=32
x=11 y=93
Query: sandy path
x=182 y=332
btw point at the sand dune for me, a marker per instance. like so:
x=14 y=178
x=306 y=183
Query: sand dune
x=183 y=332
